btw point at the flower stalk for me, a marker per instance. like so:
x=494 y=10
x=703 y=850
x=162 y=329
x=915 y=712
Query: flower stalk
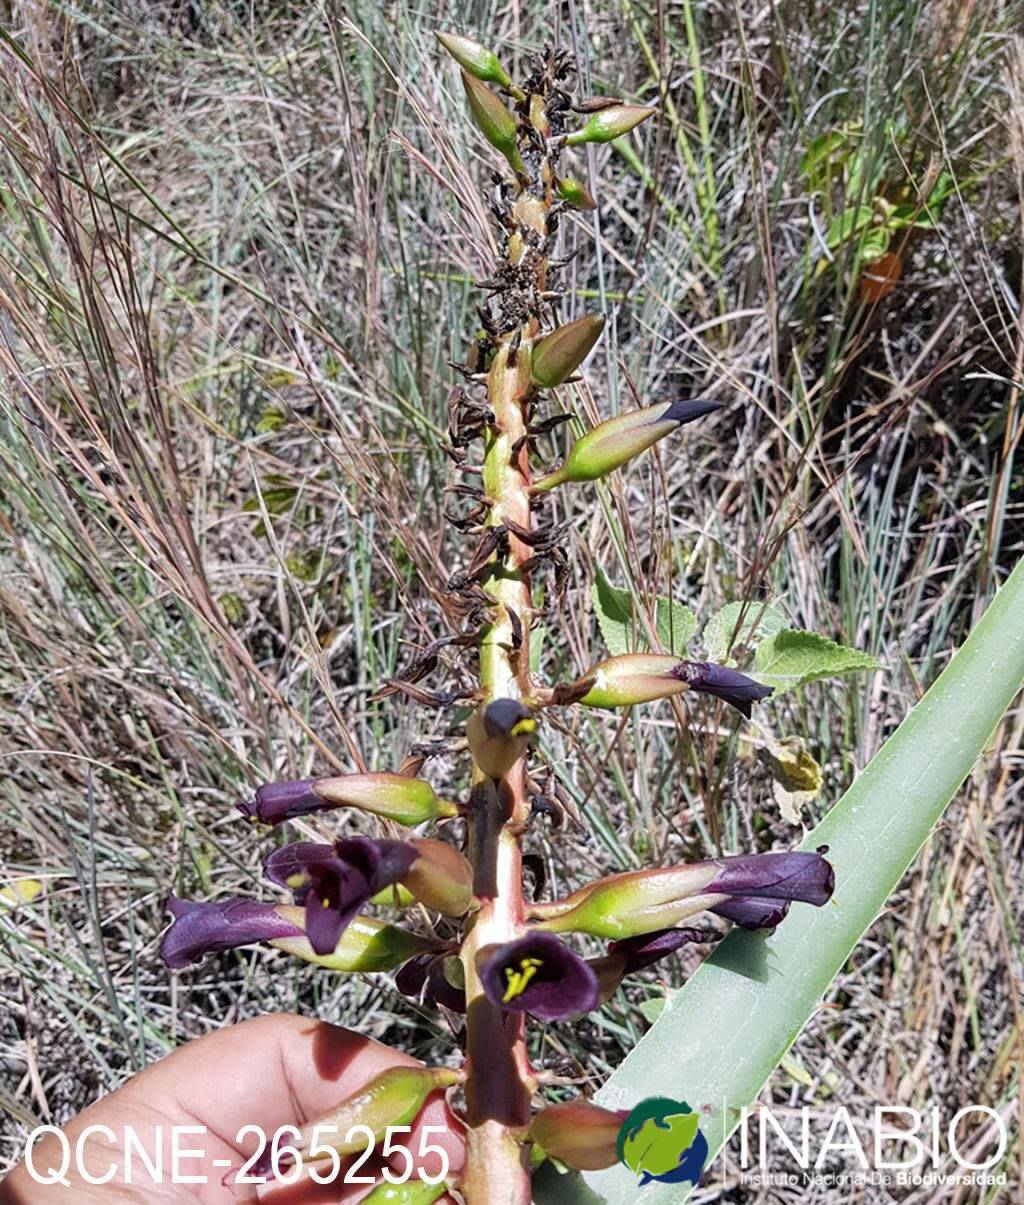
x=485 y=952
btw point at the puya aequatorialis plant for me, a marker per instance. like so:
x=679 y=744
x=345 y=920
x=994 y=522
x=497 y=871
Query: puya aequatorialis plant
x=491 y=958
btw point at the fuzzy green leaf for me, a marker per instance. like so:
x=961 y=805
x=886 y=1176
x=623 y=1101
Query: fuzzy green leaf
x=739 y=623
x=614 y=609
x=790 y=659
x=675 y=624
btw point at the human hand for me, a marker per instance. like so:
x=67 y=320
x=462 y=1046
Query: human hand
x=270 y=1072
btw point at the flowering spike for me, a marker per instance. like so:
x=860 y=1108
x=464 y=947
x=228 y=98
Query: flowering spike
x=558 y=355
x=579 y=1134
x=496 y=123
x=480 y=62
x=642 y=901
x=539 y=974
x=405 y=800
x=644 y=677
x=610 y=122
x=573 y=192
x=614 y=442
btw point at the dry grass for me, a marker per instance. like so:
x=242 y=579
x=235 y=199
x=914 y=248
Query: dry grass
x=235 y=253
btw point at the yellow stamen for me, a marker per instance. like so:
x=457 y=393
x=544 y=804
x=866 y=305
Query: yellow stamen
x=326 y=903
x=525 y=727
x=517 y=980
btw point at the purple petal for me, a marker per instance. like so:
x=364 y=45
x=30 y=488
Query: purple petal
x=553 y=982
x=279 y=801
x=337 y=892
x=289 y=866
x=340 y=883
x=689 y=410
x=201 y=928
x=751 y=912
x=423 y=978
x=778 y=876
x=734 y=688
x=641 y=951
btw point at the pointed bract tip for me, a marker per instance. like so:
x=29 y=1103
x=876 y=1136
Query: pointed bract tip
x=689 y=410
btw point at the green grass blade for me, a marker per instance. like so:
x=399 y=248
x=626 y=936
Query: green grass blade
x=726 y=1031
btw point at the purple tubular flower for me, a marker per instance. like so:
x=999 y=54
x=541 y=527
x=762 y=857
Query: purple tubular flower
x=730 y=685
x=640 y=952
x=279 y=801
x=201 y=928
x=540 y=975
x=336 y=881
x=423 y=978
x=776 y=876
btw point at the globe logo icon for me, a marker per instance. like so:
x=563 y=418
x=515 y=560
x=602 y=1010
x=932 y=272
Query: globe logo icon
x=661 y=1140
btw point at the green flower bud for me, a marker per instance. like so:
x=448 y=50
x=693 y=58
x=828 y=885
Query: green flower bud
x=558 y=355
x=644 y=677
x=394 y=1098
x=579 y=1134
x=612 y=443
x=609 y=123
x=365 y=945
x=573 y=191
x=639 y=901
x=413 y=1192
x=441 y=878
x=405 y=800
x=480 y=62
x=496 y=123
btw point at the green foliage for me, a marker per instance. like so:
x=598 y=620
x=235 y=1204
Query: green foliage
x=674 y=623
x=740 y=624
x=792 y=659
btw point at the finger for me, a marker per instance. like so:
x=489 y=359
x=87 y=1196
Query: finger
x=268 y=1073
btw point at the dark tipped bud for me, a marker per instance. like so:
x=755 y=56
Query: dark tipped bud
x=558 y=355
x=496 y=123
x=610 y=122
x=575 y=194
x=480 y=62
x=754 y=890
x=394 y=796
x=614 y=442
x=498 y=734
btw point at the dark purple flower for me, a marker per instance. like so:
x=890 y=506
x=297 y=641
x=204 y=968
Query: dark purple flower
x=336 y=881
x=200 y=928
x=423 y=978
x=539 y=974
x=278 y=801
x=640 y=952
x=776 y=876
x=730 y=685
